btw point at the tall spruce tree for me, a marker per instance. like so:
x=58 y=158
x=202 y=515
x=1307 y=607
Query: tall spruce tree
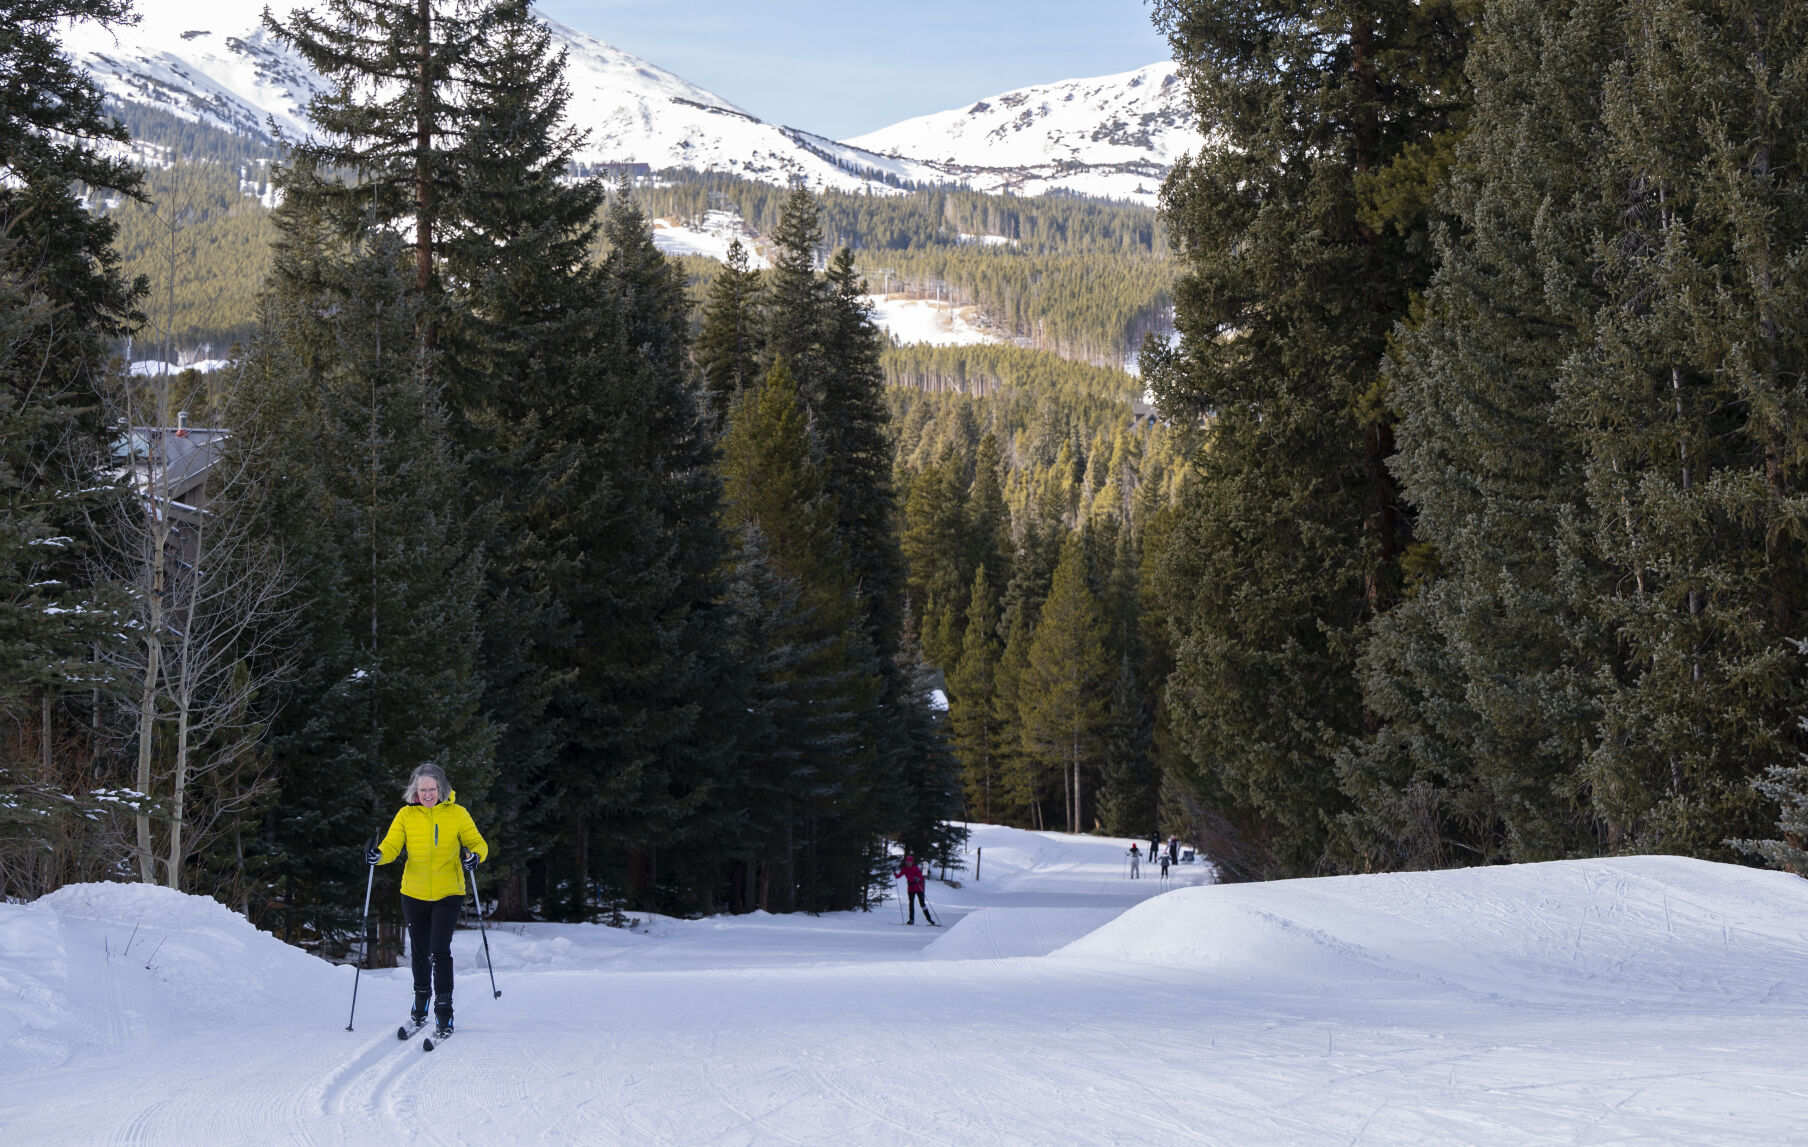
x=390 y=118
x=360 y=486
x=938 y=554
x=1303 y=245
x=821 y=328
x=1066 y=682
x=728 y=344
x=1694 y=414
x=971 y=713
x=643 y=556
x=988 y=518
x=62 y=299
x=820 y=674
x=522 y=311
x=931 y=775
x=1486 y=679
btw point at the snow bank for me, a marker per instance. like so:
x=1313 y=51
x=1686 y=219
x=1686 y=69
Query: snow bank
x=1656 y=928
x=98 y=965
x=996 y=933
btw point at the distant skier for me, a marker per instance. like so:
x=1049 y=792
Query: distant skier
x=1136 y=861
x=1164 y=865
x=913 y=884
x=1174 y=849
x=438 y=835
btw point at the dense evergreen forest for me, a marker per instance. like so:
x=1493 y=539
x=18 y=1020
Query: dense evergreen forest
x=1082 y=278
x=1495 y=549
x=475 y=509
x=1467 y=527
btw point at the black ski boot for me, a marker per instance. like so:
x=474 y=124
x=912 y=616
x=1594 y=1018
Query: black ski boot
x=442 y=1017
x=417 y=1017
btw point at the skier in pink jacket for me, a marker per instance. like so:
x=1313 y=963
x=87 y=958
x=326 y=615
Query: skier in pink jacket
x=913 y=883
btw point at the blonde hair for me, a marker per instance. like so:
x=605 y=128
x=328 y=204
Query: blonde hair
x=411 y=794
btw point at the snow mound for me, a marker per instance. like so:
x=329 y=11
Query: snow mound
x=1655 y=928
x=997 y=933
x=101 y=965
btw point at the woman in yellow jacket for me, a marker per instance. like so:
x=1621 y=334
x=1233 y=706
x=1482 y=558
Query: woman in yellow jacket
x=439 y=836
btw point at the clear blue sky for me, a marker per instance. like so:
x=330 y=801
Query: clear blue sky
x=843 y=67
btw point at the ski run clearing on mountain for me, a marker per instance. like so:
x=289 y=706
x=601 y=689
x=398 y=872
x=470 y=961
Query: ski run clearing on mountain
x=1638 y=1000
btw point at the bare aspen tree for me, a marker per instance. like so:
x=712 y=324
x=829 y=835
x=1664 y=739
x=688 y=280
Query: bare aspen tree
x=211 y=601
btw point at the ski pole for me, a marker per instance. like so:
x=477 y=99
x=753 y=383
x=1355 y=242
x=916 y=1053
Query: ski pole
x=899 y=899
x=484 y=932
x=363 y=932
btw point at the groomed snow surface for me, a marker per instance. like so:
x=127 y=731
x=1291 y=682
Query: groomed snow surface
x=1647 y=1000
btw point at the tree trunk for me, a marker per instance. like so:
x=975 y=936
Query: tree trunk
x=178 y=793
x=423 y=173
x=147 y=721
x=582 y=874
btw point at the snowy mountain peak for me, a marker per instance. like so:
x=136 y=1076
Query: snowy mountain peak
x=221 y=68
x=1108 y=135
x=1115 y=136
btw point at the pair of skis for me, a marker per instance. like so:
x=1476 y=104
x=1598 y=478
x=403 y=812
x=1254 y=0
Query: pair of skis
x=409 y=1030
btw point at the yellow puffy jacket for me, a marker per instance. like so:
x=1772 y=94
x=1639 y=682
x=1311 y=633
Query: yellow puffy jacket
x=432 y=837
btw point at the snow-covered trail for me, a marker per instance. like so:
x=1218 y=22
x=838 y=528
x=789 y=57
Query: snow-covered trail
x=1648 y=1000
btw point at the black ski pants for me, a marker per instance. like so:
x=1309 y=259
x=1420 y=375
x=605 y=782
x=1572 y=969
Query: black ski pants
x=916 y=898
x=430 y=941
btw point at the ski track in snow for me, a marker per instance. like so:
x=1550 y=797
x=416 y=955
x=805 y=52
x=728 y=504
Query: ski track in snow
x=1636 y=1001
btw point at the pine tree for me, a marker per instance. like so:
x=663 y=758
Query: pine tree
x=1065 y=684
x=1330 y=119
x=63 y=298
x=523 y=306
x=939 y=556
x=821 y=329
x=988 y=518
x=1023 y=775
x=643 y=706
x=850 y=424
x=360 y=487
x=1485 y=680
x=795 y=297
x=818 y=675
x=391 y=115
x=1128 y=780
x=932 y=776
x=728 y=346
x=1693 y=413
x=971 y=693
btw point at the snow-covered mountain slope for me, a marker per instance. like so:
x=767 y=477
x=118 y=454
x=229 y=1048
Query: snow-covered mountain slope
x=638 y=113
x=212 y=64
x=1116 y=136
x=216 y=65
x=1112 y=135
